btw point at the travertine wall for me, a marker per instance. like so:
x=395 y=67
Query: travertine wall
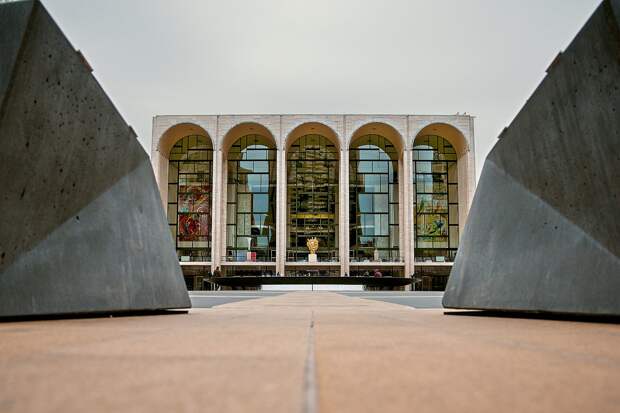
x=401 y=129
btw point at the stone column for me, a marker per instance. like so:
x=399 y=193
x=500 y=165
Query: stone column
x=471 y=164
x=407 y=207
x=412 y=228
x=343 y=199
x=402 y=207
x=341 y=194
x=217 y=216
x=160 y=167
x=281 y=211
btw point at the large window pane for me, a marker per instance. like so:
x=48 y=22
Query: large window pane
x=251 y=194
x=365 y=203
x=373 y=199
x=436 y=199
x=380 y=202
x=312 y=197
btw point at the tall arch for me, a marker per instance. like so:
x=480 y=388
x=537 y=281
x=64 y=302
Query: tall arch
x=161 y=155
x=449 y=132
x=375 y=159
x=461 y=176
x=383 y=129
x=250 y=178
x=312 y=192
x=435 y=202
x=189 y=194
x=313 y=128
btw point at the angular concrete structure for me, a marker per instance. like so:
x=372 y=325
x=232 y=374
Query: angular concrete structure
x=543 y=233
x=82 y=227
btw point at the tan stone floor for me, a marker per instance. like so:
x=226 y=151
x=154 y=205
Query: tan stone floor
x=309 y=352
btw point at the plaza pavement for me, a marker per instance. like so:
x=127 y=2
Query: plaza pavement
x=309 y=352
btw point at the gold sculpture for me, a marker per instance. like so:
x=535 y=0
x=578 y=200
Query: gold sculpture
x=313 y=245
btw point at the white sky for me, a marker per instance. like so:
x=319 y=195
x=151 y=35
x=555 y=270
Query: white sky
x=483 y=57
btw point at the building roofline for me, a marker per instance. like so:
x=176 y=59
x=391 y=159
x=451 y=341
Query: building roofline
x=465 y=115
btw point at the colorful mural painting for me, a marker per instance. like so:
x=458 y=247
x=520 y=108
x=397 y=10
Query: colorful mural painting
x=194 y=212
x=433 y=225
x=195 y=198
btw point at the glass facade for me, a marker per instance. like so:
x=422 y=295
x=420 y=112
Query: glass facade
x=190 y=180
x=251 y=200
x=373 y=200
x=312 y=197
x=431 y=278
x=376 y=271
x=265 y=212
x=247 y=271
x=312 y=272
x=436 y=206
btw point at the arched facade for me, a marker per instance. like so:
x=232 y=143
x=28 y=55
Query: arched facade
x=436 y=201
x=441 y=160
x=373 y=199
x=160 y=154
x=251 y=200
x=249 y=192
x=465 y=165
x=312 y=192
x=189 y=197
x=348 y=180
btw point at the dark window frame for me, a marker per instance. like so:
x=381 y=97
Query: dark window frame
x=312 y=182
x=434 y=150
x=190 y=165
x=252 y=156
x=373 y=156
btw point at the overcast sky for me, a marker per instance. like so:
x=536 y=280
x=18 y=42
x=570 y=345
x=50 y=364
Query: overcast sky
x=482 y=57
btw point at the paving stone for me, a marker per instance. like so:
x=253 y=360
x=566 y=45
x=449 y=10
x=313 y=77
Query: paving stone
x=255 y=356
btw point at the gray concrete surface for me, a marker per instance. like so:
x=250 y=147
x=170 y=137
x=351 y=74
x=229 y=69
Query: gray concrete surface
x=543 y=232
x=414 y=299
x=82 y=227
x=418 y=299
x=207 y=299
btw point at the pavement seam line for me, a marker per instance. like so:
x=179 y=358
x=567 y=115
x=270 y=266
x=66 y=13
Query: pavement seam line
x=310 y=388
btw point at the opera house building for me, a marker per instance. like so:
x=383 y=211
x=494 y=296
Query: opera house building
x=377 y=194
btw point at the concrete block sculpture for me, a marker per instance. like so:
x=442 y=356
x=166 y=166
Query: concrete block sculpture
x=543 y=232
x=82 y=228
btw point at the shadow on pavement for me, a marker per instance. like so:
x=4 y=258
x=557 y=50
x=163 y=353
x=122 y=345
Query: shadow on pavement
x=536 y=316
x=115 y=314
